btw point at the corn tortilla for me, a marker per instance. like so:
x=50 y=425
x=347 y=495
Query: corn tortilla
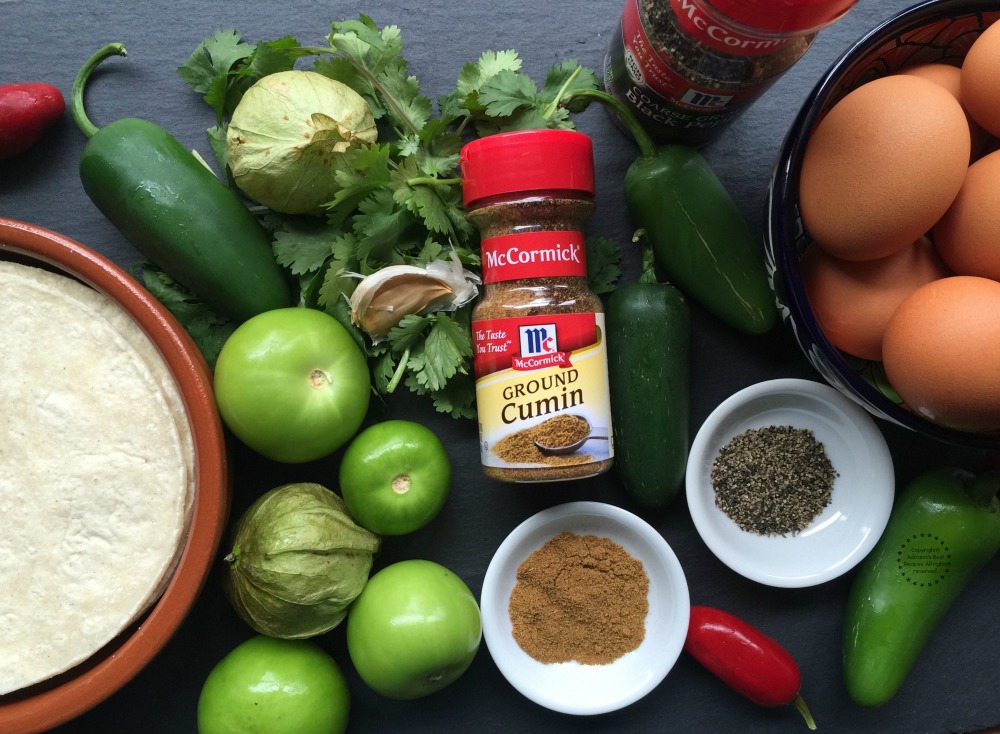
x=96 y=473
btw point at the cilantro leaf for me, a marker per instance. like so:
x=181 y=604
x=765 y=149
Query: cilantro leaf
x=383 y=371
x=603 y=256
x=432 y=200
x=212 y=58
x=303 y=245
x=465 y=99
x=270 y=57
x=439 y=356
x=385 y=82
x=366 y=170
x=385 y=230
x=507 y=92
x=511 y=101
x=490 y=64
x=208 y=329
x=407 y=333
x=337 y=284
x=457 y=398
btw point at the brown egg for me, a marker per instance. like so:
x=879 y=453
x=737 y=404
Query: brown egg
x=853 y=299
x=950 y=77
x=968 y=235
x=941 y=352
x=883 y=166
x=980 y=75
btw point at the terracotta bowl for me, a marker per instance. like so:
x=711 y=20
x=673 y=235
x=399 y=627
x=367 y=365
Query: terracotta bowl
x=62 y=698
x=938 y=31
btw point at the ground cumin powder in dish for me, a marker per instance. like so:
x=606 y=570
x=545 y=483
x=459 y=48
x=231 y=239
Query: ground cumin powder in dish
x=582 y=598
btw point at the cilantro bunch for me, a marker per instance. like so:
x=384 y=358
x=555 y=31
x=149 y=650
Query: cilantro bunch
x=399 y=200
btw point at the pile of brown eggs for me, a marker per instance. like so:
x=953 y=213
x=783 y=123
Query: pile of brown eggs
x=900 y=191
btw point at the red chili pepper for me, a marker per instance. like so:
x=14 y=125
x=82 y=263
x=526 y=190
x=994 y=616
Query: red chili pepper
x=26 y=112
x=747 y=660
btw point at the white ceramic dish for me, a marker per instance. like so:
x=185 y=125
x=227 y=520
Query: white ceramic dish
x=863 y=491
x=573 y=688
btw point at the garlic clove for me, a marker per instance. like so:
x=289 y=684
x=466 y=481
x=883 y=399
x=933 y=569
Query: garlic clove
x=384 y=298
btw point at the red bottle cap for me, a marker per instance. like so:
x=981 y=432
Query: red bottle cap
x=784 y=16
x=526 y=161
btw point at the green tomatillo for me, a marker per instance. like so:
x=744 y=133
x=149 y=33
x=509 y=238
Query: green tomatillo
x=271 y=686
x=414 y=630
x=297 y=562
x=395 y=477
x=292 y=384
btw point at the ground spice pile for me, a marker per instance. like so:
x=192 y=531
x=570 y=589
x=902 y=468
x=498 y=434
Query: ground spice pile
x=774 y=480
x=560 y=430
x=580 y=597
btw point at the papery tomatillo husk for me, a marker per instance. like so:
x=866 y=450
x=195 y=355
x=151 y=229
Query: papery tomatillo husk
x=286 y=134
x=298 y=560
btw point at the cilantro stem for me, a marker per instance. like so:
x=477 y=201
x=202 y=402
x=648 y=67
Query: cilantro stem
x=647 y=147
x=554 y=105
x=431 y=181
x=400 y=371
x=376 y=84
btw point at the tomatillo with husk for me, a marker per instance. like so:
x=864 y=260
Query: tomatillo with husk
x=395 y=477
x=297 y=562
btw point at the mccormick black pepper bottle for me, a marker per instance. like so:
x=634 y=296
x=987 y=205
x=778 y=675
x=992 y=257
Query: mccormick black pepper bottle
x=540 y=355
x=688 y=68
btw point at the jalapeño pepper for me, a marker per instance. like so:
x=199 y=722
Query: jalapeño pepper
x=176 y=212
x=698 y=236
x=943 y=529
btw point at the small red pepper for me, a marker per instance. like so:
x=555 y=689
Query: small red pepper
x=747 y=660
x=26 y=112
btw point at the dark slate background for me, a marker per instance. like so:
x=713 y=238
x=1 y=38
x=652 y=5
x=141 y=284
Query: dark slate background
x=955 y=686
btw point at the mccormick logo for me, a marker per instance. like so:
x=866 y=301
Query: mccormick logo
x=723 y=38
x=542 y=254
x=569 y=253
x=539 y=348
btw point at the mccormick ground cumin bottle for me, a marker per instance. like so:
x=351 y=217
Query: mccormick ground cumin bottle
x=689 y=67
x=538 y=332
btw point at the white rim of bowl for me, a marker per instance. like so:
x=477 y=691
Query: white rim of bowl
x=705 y=447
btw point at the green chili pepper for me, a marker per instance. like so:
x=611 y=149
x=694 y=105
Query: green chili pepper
x=943 y=529
x=176 y=212
x=698 y=236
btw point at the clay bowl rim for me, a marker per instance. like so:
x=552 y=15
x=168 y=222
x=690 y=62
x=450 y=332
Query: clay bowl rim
x=51 y=703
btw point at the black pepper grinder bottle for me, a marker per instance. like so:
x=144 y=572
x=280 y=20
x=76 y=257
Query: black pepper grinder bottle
x=688 y=68
x=540 y=354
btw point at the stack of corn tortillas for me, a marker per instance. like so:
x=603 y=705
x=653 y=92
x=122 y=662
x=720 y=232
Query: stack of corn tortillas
x=96 y=473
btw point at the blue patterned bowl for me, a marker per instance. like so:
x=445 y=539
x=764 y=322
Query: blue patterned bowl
x=937 y=31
